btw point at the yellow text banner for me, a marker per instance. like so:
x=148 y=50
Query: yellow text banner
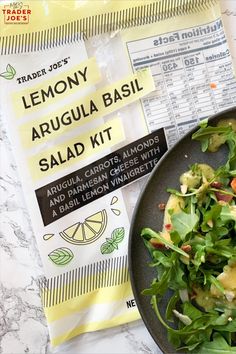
x=74 y=150
x=104 y=101
x=55 y=89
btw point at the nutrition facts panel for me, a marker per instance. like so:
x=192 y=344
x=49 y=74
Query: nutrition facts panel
x=193 y=75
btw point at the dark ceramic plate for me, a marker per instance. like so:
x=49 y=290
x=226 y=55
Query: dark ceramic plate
x=147 y=214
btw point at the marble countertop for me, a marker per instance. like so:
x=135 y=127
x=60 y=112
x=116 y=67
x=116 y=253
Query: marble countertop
x=23 y=327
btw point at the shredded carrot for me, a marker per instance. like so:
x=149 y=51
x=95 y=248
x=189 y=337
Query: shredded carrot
x=233 y=184
x=213 y=85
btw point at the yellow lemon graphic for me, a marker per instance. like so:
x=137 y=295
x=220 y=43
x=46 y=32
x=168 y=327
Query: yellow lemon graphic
x=88 y=231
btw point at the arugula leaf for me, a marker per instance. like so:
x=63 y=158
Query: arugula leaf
x=171 y=306
x=231 y=142
x=200 y=256
x=177 y=281
x=207 y=131
x=215 y=282
x=211 y=216
x=153 y=234
x=224 y=134
x=228 y=213
x=217 y=346
x=159 y=287
x=184 y=223
x=204 y=135
x=161 y=258
x=229 y=327
x=190 y=310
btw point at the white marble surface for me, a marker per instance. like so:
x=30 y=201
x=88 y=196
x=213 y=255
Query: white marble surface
x=23 y=327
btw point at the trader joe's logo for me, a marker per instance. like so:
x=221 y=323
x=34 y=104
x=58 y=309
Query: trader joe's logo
x=16 y=13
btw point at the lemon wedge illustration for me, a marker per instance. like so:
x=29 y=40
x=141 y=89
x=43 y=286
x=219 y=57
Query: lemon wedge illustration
x=88 y=231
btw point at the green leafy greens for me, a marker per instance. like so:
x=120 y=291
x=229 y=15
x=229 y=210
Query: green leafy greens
x=195 y=254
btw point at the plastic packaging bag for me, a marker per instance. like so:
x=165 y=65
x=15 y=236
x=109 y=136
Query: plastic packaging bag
x=91 y=104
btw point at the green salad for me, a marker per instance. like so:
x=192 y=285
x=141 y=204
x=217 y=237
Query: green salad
x=195 y=252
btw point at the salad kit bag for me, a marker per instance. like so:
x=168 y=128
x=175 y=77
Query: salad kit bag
x=93 y=93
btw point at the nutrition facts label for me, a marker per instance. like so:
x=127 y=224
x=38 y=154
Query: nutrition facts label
x=193 y=75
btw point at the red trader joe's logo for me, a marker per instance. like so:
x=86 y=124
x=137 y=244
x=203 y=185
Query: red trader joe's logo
x=16 y=13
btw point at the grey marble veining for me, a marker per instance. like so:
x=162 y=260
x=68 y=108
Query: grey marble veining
x=23 y=327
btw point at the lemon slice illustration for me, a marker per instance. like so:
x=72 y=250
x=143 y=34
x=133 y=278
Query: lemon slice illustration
x=87 y=232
